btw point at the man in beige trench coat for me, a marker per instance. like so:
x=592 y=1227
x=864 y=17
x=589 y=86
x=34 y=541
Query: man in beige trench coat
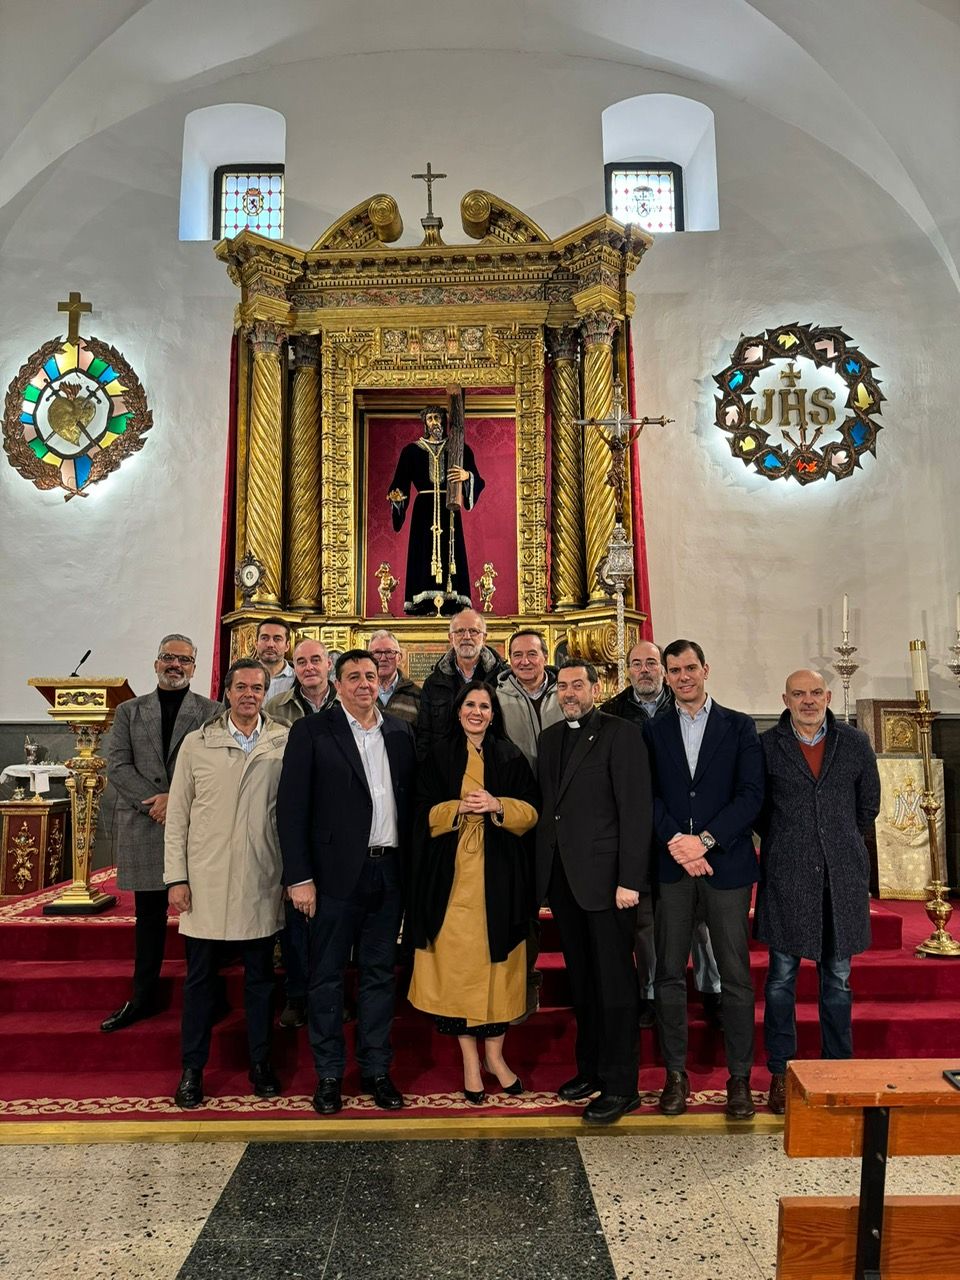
x=222 y=867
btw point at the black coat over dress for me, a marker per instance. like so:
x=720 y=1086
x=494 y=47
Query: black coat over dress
x=507 y=859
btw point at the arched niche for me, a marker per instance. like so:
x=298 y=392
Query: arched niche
x=667 y=127
x=228 y=133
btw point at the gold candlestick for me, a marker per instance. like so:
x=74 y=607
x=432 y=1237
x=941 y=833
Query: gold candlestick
x=938 y=907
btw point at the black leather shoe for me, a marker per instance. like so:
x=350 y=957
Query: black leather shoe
x=578 y=1088
x=739 y=1099
x=326 y=1099
x=777 y=1097
x=647 y=1018
x=126 y=1016
x=674 y=1094
x=476 y=1097
x=609 y=1107
x=385 y=1093
x=265 y=1083
x=190 y=1089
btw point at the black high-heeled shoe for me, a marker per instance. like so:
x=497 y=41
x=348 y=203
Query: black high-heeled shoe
x=475 y=1096
x=513 y=1089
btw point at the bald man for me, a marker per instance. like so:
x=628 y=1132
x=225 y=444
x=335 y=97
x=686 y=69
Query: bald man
x=813 y=900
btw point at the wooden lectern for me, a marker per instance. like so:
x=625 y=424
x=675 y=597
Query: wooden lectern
x=87 y=706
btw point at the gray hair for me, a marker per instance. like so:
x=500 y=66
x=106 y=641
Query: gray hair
x=385 y=635
x=176 y=635
x=461 y=612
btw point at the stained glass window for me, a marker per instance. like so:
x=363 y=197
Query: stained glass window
x=648 y=195
x=248 y=196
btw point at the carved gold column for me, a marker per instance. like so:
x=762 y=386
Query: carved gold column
x=567 y=563
x=264 y=532
x=303 y=490
x=599 y=506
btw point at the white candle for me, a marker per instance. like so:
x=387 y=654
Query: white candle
x=846 y=612
x=918 y=661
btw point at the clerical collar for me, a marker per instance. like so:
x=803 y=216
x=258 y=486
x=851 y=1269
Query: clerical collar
x=583 y=721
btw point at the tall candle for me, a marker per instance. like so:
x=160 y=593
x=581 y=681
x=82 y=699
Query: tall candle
x=846 y=612
x=918 y=661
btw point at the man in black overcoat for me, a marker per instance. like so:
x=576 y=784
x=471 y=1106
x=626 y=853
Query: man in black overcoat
x=813 y=900
x=593 y=843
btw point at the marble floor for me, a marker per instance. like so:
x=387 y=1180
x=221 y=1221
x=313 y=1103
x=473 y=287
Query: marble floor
x=700 y=1207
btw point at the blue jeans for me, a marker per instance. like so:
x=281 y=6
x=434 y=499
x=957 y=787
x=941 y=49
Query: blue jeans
x=780 y=998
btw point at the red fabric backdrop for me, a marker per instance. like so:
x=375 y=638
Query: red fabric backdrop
x=225 y=596
x=641 y=578
x=490 y=529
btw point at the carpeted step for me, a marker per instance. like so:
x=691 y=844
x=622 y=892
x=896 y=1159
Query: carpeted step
x=72 y=1041
x=110 y=936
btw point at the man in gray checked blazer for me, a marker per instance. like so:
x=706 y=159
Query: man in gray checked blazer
x=141 y=753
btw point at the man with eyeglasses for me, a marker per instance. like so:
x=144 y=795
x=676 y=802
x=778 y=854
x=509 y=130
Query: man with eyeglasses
x=273 y=640
x=648 y=698
x=398 y=695
x=142 y=750
x=467 y=659
x=312 y=690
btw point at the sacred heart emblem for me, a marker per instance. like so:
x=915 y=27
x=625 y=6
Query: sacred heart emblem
x=68 y=415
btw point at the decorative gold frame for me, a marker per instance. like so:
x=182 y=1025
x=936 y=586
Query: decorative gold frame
x=488 y=313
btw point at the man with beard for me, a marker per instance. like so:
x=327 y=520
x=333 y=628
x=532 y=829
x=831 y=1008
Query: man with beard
x=647 y=698
x=141 y=754
x=273 y=640
x=467 y=659
x=436 y=552
x=593 y=842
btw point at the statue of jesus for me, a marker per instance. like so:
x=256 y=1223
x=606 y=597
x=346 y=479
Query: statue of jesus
x=437 y=569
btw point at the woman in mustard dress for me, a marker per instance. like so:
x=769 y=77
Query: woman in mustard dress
x=473 y=895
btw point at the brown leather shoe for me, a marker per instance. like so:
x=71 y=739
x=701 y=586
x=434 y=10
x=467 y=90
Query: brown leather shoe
x=777 y=1098
x=739 y=1099
x=674 y=1094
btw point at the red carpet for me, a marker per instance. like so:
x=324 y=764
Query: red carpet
x=60 y=976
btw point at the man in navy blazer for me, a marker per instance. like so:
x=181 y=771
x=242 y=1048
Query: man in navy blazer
x=708 y=790
x=344 y=814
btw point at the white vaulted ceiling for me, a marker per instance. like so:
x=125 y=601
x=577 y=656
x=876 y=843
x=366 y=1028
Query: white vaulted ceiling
x=878 y=81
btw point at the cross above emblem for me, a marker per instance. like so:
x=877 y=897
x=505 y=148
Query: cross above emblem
x=76 y=308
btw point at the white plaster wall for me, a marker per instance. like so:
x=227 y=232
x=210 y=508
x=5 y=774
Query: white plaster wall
x=754 y=570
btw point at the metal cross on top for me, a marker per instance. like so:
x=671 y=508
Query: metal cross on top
x=76 y=307
x=429 y=178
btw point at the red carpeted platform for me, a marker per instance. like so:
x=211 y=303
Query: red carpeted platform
x=60 y=976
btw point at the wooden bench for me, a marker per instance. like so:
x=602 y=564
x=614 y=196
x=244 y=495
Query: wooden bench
x=873 y=1109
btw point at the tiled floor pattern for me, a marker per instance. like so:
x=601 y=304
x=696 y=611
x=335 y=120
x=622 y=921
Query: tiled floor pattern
x=602 y=1208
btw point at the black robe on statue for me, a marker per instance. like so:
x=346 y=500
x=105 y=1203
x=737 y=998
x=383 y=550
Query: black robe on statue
x=422 y=582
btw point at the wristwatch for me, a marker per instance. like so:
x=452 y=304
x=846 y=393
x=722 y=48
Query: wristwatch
x=707 y=840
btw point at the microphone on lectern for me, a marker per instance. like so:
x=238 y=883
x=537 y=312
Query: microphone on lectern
x=80 y=663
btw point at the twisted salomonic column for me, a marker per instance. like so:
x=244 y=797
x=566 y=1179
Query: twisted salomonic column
x=567 y=576
x=264 y=531
x=303 y=490
x=599 y=505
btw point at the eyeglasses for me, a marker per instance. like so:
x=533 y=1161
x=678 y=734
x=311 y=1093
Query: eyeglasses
x=467 y=631
x=380 y=654
x=176 y=657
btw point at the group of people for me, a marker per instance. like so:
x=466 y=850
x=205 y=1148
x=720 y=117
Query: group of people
x=338 y=812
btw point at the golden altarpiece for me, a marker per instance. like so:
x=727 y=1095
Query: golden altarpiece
x=322 y=328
